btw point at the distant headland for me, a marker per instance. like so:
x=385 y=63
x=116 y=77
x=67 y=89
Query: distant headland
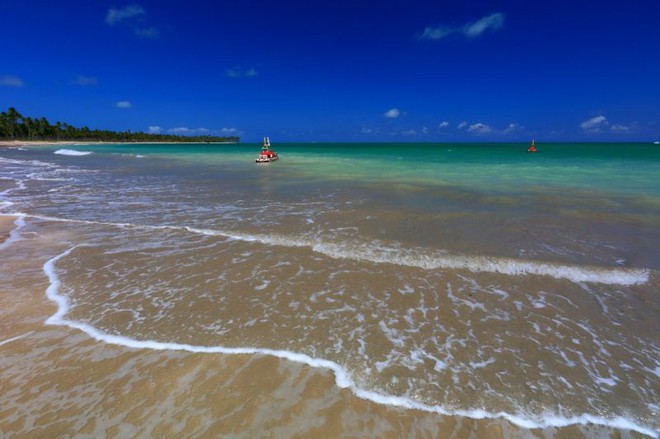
x=16 y=127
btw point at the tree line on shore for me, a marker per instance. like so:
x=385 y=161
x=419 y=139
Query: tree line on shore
x=15 y=126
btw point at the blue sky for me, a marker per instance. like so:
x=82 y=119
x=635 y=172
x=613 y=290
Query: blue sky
x=390 y=70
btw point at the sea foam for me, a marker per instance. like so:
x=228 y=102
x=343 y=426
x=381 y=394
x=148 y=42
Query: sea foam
x=432 y=259
x=15 y=233
x=72 y=152
x=415 y=257
x=343 y=378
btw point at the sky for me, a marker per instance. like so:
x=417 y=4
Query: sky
x=353 y=71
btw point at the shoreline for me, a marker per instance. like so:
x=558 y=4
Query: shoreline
x=66 y=349
x=100 y=389
x=28 y=143
x=239 y=368
x=341 y=377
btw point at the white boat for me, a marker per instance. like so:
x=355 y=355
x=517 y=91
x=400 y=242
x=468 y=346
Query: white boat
x=267 y=155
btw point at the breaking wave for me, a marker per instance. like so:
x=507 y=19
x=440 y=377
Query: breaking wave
x=343 y=378
x=72 y=152
x=427 y=259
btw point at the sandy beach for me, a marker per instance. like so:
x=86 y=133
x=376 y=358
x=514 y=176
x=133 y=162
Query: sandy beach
x=57 y=381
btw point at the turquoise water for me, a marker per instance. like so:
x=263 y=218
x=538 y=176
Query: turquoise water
x=618 y=167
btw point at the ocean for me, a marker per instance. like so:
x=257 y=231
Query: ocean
x=475 y=281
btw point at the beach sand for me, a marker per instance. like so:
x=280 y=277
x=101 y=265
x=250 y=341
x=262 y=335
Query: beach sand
x=57 y=381
x=6 y=225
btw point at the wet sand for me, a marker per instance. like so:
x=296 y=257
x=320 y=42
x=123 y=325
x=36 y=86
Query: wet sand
x=57 y=381
x=6 y=225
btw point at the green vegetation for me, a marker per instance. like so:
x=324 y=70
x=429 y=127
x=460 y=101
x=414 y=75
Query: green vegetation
x=15 y=126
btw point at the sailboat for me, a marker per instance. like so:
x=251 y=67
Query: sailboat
x=532 y=147
x=267 y=155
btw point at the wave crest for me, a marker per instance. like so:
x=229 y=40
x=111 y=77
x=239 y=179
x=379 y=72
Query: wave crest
x=72 y=152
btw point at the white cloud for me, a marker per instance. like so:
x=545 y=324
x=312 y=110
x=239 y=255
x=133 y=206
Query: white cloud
x=155 y=129
x=462 y=125
x=493 y=22
x=185 y=131
x=115 y=16
x=512 y=128
x=425 y=130
x=595 y=124
x=472 y=29
x=619 y=128
x=123 y=104
x=443 y=124
x=11 y=81
x=229 y=131
x=179 y=130
x=479 y=128
x=238 y=72
x=436 y=33
x=392 y=113
x=132 y=16
x=84 y=80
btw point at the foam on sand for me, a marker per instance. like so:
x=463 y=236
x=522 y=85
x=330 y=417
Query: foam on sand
x=15 y=233
x=432 y=259
x=343 y=378
x=72 y=152
x=415 y=257
x=18 y=337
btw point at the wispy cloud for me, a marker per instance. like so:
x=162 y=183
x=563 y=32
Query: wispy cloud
x=147 y=32
x=594 y=125
x=185 y=131
x=123 y=104
x=491 y=22
x=238 y=72
x=392 y=113
x=620 y=129
x=115 y=16
x=437 y=33
x=84 y=81
x=133 y=16
x=230 y=132
x=409 y=132
x=472 y=29
x=443 y=124
x=201 y=131
x=11 y=81
x=462 y=125
x=512 y=128
x=479 y=128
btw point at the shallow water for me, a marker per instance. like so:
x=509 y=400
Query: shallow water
x=479 y=281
